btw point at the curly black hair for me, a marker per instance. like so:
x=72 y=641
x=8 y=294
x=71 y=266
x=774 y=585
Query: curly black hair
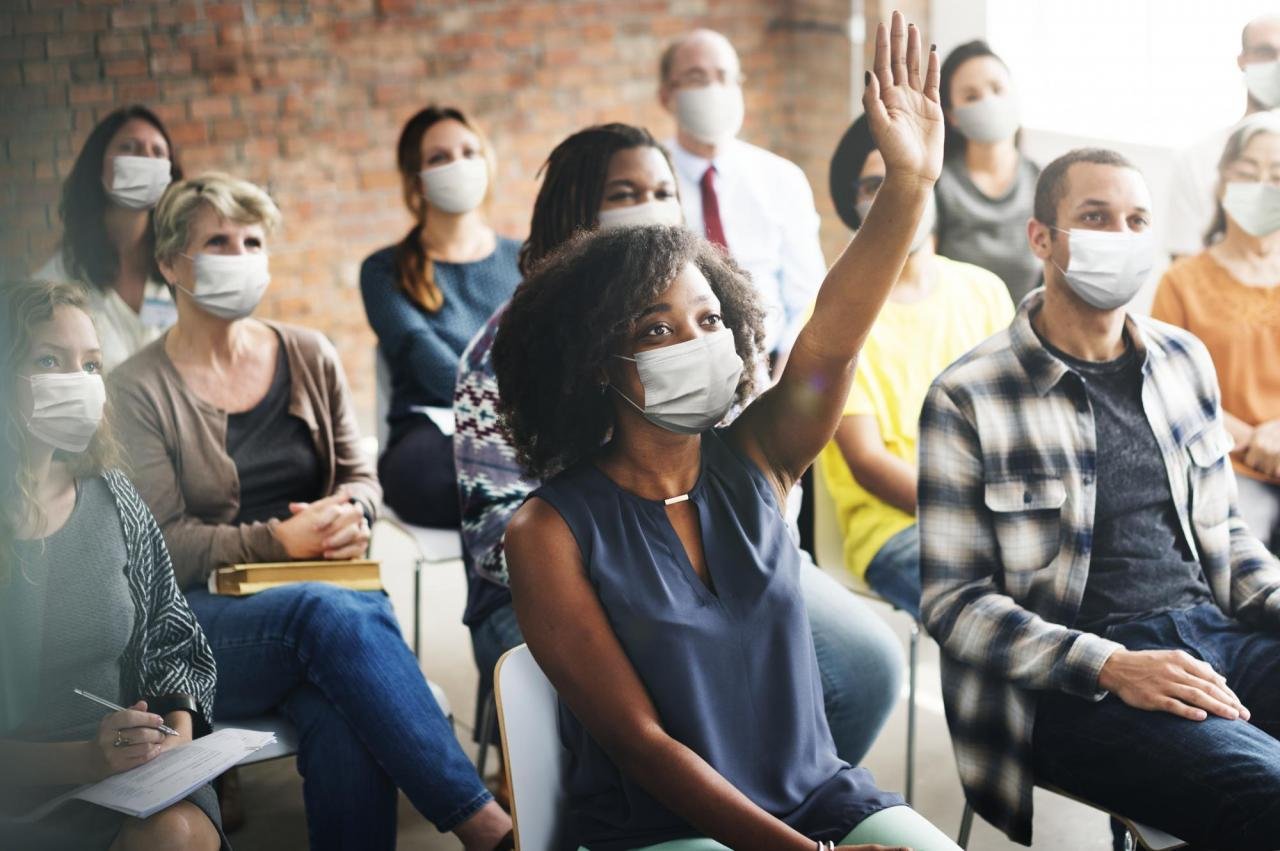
x=573 y=314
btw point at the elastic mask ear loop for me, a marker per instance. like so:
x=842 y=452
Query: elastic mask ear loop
x=611 y=386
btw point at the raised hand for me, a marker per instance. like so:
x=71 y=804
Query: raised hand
x=902 y=103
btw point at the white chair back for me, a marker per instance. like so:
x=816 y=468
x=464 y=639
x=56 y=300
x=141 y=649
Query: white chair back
x=535 y=760
x=828 y=538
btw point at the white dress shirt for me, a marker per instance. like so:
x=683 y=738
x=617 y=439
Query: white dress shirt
x=121 y=332
x=1193 y=197
x=770 y=224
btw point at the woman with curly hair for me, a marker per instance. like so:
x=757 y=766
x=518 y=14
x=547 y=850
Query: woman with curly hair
x=87 y=599
x=652 y=573
x=108 y=238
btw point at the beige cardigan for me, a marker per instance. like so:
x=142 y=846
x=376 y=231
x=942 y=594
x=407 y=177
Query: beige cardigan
x=176 y=450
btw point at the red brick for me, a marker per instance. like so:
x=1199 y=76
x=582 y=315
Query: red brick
x=27 y=23
x=170 y=63
x=84 y=20
x=115 y=43
x=132 y=15
x=188 y=132
x=36 y=72
x=209 y=108
x=133 y=67
x=230 y=130
x=136 y=91
x=224 y=13
x=224 y=84
x=68 y=45
x=87 y=94
x=86 y=70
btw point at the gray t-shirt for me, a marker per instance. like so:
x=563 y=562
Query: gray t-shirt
x=1141 y=563
x=66 y=615
x=989 y=232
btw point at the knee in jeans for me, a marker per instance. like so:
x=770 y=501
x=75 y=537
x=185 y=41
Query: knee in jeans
x=329 y=611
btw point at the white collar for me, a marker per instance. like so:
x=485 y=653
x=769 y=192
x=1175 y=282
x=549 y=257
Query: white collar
x=692 y=167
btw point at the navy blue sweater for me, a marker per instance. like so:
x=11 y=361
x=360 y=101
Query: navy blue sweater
x=422 y=349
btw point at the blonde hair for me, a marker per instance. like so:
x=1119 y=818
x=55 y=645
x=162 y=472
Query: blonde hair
x=230 y=197
x=24 y=307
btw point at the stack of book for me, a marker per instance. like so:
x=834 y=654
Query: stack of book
x=237 y=580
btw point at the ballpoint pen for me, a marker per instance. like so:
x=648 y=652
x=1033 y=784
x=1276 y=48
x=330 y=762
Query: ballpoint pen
x=163 y=728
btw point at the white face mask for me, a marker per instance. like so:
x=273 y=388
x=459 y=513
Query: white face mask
x=924 y=229
x=1255 y=207
x=991 y=119
x=458 y=187
x=648 y=213
x=138 y=182
x=1107 y=268
x=1263 y=81
x=66 y=409
x=229 y=285
x=690 y=386
x=711 y=114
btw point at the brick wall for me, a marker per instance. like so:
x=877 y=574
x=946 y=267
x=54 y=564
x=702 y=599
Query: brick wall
x=307 y=97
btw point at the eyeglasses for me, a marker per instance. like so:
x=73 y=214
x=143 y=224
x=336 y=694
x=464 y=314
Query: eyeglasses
x=696 y=78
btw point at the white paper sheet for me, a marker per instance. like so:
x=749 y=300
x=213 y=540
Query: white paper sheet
x=170 y=777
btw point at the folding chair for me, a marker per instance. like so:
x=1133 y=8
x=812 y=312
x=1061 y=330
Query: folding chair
x=1138 y=835
x=534 y=758
x=828 y=545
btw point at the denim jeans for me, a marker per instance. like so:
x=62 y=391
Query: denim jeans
x=894 y=571
x=859 y=658
x=1213 y=783
x=333 y=661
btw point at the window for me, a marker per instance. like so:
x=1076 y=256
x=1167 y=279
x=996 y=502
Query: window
x=1156 y=72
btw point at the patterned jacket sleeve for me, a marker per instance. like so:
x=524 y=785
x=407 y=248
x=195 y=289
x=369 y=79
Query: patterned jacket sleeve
x=170 y=656
x=490 y=483
x=964 y=606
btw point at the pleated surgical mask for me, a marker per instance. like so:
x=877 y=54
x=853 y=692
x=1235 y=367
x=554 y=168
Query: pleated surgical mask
x=648 y=213
x=1107 y=268
x=66 y=408
x=458 y=187
x=1255 y=207
x=991 y=119
x=1262 y=79
x=689 y=386
x=711 y=114
x=138 y=182
x=229 y=286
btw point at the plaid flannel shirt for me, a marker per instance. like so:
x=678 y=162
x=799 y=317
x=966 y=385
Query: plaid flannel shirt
x=1008 y=454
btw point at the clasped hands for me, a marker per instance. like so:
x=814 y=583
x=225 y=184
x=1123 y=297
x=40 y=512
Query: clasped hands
x=333 y=528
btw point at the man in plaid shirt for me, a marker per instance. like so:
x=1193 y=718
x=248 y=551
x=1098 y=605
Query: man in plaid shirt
x=1109 y=626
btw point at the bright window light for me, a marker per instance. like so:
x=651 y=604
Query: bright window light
x=1156 y=72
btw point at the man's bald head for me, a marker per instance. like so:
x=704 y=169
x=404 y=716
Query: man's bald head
x=700 y=48
x=1262 y=30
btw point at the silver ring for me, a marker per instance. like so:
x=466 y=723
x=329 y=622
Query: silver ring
x=121 y=741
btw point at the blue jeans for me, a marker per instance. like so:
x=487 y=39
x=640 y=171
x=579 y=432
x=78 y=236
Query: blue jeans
x=1213 y=783
x=333 y=661
x=894 y=571
x=859 y=658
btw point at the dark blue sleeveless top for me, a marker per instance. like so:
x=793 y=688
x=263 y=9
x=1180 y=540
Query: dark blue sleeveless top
x=732 y=673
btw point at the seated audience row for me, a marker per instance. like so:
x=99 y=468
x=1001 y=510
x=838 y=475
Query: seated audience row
x=1083 y=551
x=88 y=599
